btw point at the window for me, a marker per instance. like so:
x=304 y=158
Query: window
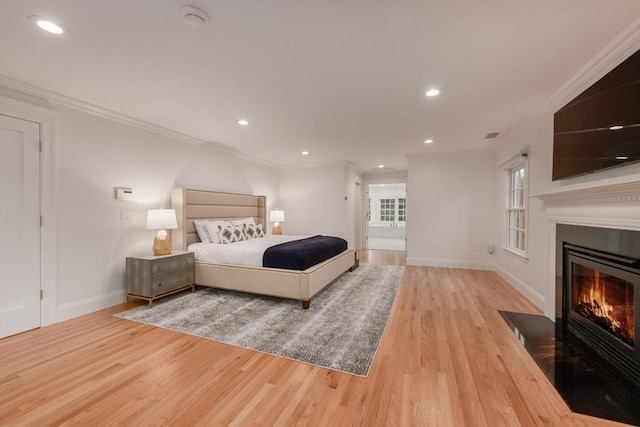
x=516 y=209
x=387 y=209
x=402 y=209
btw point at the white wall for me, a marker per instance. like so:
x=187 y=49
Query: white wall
x=450 y=207
x=313 y=200
x=531 y=276
x=95 y=154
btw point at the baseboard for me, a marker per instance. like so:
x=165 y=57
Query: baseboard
x=89 y=305
x=531 y=294
x=447 y=263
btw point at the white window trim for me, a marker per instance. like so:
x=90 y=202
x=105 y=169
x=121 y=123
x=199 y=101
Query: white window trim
x=509 y=166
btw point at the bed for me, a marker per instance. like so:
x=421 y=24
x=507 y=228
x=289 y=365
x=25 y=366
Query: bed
x=302 y=285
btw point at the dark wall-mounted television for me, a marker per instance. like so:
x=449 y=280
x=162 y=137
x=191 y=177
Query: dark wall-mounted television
x=600 y=128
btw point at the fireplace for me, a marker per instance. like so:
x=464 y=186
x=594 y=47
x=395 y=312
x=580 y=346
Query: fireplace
x=600 y=289
x=603 y=300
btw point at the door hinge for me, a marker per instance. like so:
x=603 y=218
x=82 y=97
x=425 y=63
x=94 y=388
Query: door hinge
x=41 y=220
x=41 y=294
x=40 y=145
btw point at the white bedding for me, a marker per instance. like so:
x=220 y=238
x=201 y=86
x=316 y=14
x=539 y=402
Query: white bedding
x=245 y=252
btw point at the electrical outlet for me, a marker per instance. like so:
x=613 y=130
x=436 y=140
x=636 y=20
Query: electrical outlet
x=124 y=216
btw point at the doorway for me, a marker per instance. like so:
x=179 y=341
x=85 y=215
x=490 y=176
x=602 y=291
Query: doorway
x=19 y=226
x=387 y=216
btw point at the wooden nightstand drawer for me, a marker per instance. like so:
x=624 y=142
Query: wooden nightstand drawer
x=173 y=264
x=151 y=277
x=171 y=282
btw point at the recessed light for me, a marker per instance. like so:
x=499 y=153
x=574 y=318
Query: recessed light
x=47 y=25
x=243 y=122
x=617 y=127
x=305 y=153
x=432 y=92
x=622 y=157
x=428 y=141
x=380 y=166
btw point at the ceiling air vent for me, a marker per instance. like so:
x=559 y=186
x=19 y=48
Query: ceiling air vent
x=492 y=135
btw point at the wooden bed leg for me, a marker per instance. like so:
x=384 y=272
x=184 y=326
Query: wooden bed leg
x=356 y=263
x=305 y=304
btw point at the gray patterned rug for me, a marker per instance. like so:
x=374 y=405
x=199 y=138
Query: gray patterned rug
x=340 y=331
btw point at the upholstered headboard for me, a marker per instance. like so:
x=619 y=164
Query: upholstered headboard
x=200 y=204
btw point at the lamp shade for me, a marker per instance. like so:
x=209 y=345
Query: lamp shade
x=276 y=216
x=161 y=219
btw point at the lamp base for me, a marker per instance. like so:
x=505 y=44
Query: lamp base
x=162 y=243
x=276 y=228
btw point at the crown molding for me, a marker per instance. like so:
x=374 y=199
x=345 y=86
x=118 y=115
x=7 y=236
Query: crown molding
x=66 y=101
x=619 y=49
x=54 y=98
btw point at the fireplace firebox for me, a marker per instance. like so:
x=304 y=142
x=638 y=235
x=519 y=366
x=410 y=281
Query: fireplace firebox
x=601 y=294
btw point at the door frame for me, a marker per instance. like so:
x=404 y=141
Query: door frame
x=359 y=222
x=48 y=120
x=389 y=178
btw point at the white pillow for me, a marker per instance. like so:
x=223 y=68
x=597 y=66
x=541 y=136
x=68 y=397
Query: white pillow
x=212 y=229
x=201 y=229
x=244 y=221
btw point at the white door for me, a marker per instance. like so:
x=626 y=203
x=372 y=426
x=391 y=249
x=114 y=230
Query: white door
x=19 y=225
x=359 y=216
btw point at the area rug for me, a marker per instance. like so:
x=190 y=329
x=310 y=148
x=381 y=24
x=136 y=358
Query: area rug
x=341 y=330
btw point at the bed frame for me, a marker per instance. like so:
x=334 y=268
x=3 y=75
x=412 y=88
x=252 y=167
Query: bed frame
x=212 y=205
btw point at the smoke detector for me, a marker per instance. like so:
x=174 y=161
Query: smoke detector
x=193 y=17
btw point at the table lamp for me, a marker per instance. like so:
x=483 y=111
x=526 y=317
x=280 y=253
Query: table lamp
x=162 y=220
x=276 y=217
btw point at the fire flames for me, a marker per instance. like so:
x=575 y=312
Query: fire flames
x=597 y=302
x=592 y=303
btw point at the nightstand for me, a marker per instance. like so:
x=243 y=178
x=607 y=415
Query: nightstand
x=152 y=277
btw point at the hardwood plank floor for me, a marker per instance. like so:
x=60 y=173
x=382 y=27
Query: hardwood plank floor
x=446 y=359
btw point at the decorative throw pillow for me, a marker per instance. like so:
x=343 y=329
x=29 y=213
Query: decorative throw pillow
x=253 y=231
x=226 y=234
x=238 y=230
x=201 y=229
x=212 y=228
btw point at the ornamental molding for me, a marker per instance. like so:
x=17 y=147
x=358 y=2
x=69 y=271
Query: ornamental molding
x=623 y=194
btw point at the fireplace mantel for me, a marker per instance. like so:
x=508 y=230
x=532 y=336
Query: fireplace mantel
x=613 y=206
x=627 y=193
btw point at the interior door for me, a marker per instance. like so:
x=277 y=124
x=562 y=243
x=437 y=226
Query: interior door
x=19 y=225
x=359 y=216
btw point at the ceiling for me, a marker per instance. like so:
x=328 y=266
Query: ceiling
x=344 y=80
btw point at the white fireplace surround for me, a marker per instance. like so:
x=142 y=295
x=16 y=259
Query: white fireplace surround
x=610 y=206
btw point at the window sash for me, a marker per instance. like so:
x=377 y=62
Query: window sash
x=402 y=209
x=516 y=229
x=387 y=209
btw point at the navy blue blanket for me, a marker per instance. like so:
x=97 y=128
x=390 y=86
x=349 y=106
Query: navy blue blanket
x=304 y=253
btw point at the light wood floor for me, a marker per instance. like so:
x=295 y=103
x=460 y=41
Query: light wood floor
x=446 y=359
